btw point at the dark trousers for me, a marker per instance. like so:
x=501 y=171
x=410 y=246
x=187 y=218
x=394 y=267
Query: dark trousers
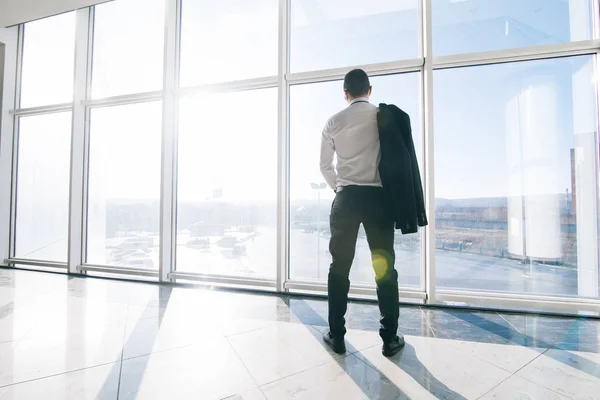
x=352 y=206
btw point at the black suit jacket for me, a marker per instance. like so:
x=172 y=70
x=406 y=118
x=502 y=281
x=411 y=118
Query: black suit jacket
x=399 y=169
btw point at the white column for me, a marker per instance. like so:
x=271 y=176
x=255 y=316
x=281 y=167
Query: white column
x=515 y=206
x=8 y=57
x=533 y=154
x=541 y=170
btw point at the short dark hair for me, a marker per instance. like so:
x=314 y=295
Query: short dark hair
x=356 y=83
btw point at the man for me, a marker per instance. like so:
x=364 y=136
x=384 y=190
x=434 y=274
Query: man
x=352 y=135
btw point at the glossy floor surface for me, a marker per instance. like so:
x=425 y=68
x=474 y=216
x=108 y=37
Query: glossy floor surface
x=86 y=338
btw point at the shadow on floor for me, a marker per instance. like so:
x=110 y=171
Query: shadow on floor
x=7 y=309
x=407 y=360
x=517 y=338
x=133 y=385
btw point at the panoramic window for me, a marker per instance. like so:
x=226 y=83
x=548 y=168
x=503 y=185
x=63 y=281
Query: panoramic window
x=128 y=47
x=228 y=40
x=227 y=184
x=344 y=33
x=48 y=51
x=516 y=177
x=43 y=164
x=124 y=185
x=471 y=26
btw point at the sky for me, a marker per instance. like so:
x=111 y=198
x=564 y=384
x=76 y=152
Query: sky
x=228 y=141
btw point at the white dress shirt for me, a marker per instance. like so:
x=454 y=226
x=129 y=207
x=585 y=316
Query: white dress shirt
x=353 y=138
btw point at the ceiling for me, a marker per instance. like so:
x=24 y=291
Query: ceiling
x=14 y=12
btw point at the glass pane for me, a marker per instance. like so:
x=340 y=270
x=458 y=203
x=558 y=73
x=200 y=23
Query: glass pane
x=310 y=108
x=461 y=26
x=124 y=185
x=341 y=33
x=128 y=47
x=516 y=175
x=228 y=40
x=48 y=61
x=42 y=223
x=227 y=203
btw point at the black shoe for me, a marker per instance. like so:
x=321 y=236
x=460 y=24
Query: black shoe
x=393 y=347
x=336 y=344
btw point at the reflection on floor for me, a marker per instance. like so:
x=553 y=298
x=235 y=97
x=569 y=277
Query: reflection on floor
x=76 y=338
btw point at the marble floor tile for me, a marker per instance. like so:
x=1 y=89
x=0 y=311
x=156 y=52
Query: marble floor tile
x=16 y=325
x=248 y=394
x=594 y=323
x=109 y=290
x=303 y=311
x=557 y=333
x=210 y=370
x=474 y=327
x=280 y=350
x=429 y=366
x=575 y=375
x=19 y=300
x=169 y=331
x=508 y=357
x=31 y=281
x=7 y=361
x=39 y=357
x=221 y=304
x=529 y=323
x=7 y=309
x=138 y=312
x=77 y=316
x=364 y=316
x=7 y=295
x=231 y=326
x=518 y=329
x=97 y=383
x=344 y=378
x=26 y=287
x=356 y=339
x=150 y=295
x=518 y=388
x=263 y=307
x=7 y=279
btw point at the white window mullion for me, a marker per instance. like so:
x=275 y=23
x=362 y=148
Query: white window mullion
x=428 y=140
x=168 y=192
x=12 y=40
x=83 y=43
x=282 y=261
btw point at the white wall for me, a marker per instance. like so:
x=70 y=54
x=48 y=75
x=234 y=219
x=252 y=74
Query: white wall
x=13 y=12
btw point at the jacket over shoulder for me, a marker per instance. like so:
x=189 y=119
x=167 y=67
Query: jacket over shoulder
x=399 y=169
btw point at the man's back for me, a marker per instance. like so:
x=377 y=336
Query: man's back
x=353 y=136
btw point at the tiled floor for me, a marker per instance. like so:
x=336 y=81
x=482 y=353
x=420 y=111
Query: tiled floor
x=76 y=338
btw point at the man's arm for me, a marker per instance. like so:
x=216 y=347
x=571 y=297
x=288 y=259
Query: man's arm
x=327 y=154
